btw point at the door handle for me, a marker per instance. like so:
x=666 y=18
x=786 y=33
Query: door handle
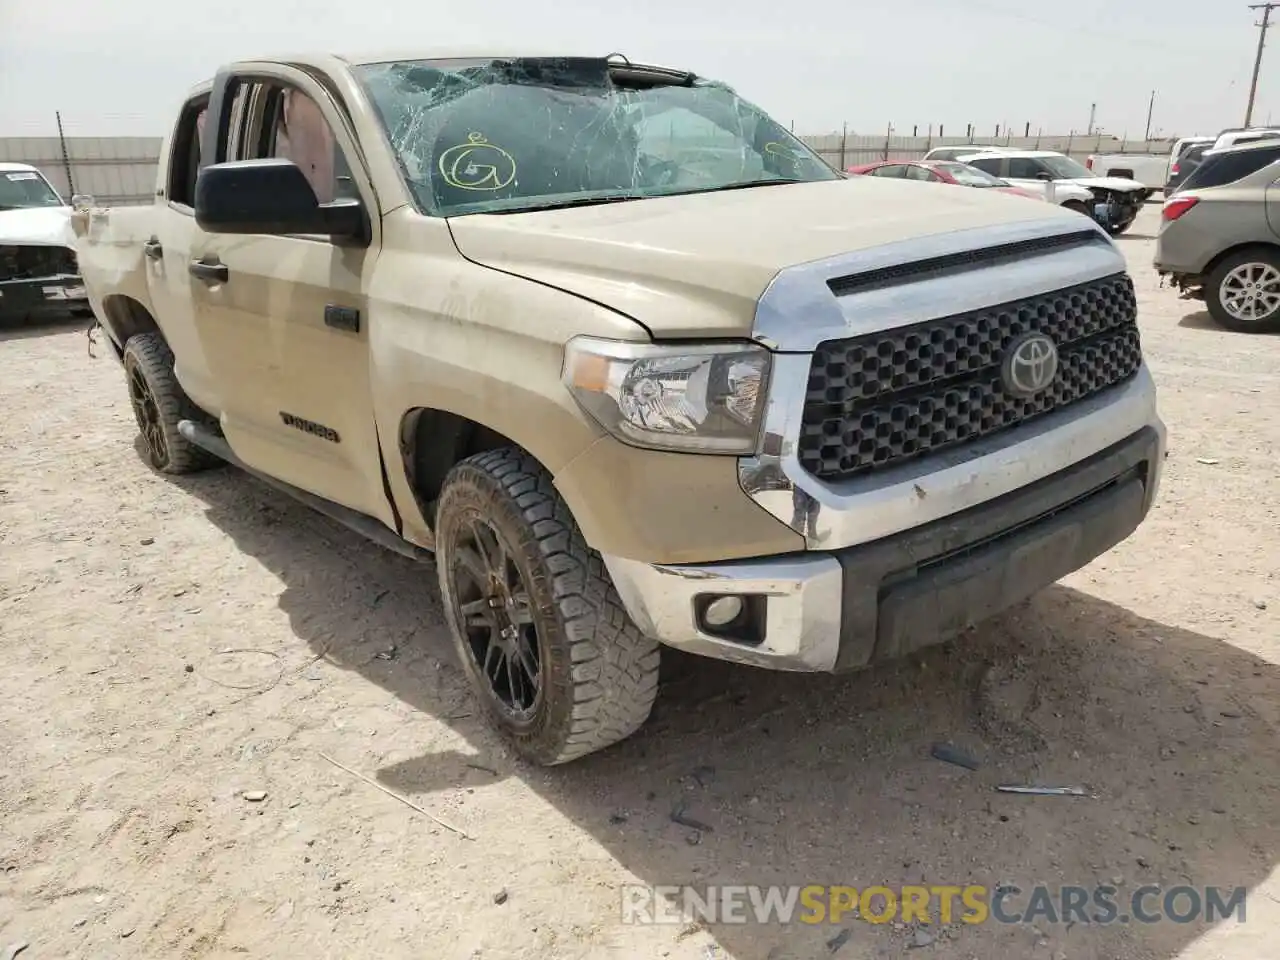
x=152 y=249
x=208 y=272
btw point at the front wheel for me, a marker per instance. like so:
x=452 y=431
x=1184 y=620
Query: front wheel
x=1243 y=292
x=543 y=637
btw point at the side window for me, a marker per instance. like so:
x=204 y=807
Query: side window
x=894 y=170
x=919 y=173
x=292 y=126
x=184 y=154
x=990 y=164
x=1022 y=168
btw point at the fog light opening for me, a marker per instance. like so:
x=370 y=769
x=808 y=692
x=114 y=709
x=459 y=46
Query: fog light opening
x=739 y=618
x=722 y=611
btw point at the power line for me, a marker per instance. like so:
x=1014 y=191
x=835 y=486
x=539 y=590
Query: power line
x=1266 y=9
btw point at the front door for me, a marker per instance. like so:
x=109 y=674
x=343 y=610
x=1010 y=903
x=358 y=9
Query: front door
x=284 y=318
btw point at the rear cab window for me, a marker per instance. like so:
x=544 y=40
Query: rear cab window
x=184 y=154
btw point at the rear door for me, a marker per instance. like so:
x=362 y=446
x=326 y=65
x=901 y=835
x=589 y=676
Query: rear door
x=286 y=326
x=168 y=251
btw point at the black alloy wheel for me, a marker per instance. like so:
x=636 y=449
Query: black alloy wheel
x=495 y=613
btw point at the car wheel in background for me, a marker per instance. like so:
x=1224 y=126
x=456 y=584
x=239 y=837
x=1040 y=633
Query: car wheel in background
x=1243 y=291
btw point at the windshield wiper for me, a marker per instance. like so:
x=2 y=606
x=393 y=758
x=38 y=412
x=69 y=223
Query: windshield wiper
x=737 y=186
x=565 y=204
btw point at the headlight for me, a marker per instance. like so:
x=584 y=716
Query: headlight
x=704 y=397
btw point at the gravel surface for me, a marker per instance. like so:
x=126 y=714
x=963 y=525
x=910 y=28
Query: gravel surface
x=183 y=656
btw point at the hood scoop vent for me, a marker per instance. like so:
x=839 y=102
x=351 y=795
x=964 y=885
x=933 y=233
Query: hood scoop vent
x=935 y=267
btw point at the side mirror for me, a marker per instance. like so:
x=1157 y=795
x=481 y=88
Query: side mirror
x=82 y=201
x=271 y=197
x=1043 y=175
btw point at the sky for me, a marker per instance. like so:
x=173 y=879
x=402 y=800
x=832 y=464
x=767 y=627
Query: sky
x=121 y=67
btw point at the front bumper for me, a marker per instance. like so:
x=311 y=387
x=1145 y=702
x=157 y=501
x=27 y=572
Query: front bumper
x=40 y=297
x=843 y=609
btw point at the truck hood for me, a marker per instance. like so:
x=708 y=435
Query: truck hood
x=44 y=226
x=1121 y=184
x=696 y=265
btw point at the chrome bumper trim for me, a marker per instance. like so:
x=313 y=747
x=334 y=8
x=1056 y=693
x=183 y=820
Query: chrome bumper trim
x=847 y=513
x=802 y=630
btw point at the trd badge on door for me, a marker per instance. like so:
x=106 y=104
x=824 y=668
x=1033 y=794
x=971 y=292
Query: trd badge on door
x=311 y=427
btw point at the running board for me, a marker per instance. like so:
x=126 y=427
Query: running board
x=363 y=524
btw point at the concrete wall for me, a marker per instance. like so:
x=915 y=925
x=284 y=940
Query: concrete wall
x=122 y=170
x=116 y=170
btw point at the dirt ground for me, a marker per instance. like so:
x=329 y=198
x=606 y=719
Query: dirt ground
x=169 y=646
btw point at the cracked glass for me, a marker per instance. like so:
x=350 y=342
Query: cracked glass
x=513 y=135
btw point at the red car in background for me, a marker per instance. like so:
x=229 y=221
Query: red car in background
x=940 y=171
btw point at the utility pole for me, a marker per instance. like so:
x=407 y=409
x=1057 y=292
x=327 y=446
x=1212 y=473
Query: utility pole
x=1150 y=107
x=1266 y=9
x=1093 y=115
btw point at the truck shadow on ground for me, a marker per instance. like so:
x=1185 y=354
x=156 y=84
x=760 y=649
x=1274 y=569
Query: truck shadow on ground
x=828 y=780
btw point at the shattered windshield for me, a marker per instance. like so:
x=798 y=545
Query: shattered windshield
x=26 y=188
x=504 y=136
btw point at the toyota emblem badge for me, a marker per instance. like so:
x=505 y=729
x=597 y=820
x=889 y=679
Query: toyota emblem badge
x=1030 y=365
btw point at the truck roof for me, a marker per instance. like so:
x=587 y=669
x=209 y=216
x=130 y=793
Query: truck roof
x=461 y=52
x=17 y=167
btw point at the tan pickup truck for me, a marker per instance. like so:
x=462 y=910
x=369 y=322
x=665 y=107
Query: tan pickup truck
x=631 y=361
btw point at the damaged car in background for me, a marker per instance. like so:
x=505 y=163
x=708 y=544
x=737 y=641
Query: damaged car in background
x=1116 y=200
x=39 y=275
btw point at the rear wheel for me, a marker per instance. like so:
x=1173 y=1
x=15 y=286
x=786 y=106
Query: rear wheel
x=159 y=404
x=1243 y=291
x=541 y=632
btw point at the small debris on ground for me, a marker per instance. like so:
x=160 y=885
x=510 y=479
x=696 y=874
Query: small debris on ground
x=1260 y=604
x=953 y=755
x=922 y=938
x=147 y=541
x=704 y=774
x=839 y=940
x=1045 y=791
x=14 y=949
x=617 y=818
x=254 y=796
x=388 y=654
x=1207 y=461
x=501 y=896
x=678 y=816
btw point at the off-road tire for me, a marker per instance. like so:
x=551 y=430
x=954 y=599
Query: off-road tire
x=1213 y=292
x=148 y=356
x=599 y=673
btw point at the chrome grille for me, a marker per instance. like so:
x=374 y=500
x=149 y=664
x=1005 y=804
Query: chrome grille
x=885 y=398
